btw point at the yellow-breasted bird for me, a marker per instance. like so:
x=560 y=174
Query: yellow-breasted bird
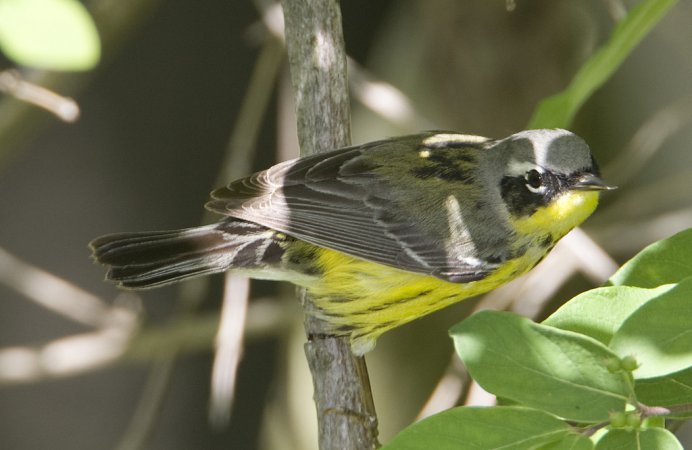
x=385 y=232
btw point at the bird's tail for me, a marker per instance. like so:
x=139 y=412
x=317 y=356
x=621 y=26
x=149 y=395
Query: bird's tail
x=150 y=259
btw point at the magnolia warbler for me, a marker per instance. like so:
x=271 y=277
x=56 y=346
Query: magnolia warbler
x=385 y=232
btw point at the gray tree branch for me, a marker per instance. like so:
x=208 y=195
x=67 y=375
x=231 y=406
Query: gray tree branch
x=317 y=58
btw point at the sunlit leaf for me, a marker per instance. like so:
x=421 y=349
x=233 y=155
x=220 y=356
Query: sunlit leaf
x=658 y=334
x=539 y=366
x=663 y=262
x=644 y=439
x=570 y=442
x=487 y=428
x=49 y=34
x=600 y=312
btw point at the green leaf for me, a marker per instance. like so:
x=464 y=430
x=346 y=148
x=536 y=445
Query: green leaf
x=643 y=439
x=558 y=111
x=487 y=428
x=669 y=391
x=570 y=442
x=557 y=371
x=659 y=333
x=49 y=34
x=663 y=262
x=598 y=313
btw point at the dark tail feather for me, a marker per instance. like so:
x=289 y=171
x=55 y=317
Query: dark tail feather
x=150 y=259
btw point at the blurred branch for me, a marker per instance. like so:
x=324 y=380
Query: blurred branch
x=641 y=202
x=380 y=97
x=121 y=341
x=143 y=421
x=616 y=9
x=384 y=99
x=649 y=139
x=448 y=390
x=52 y=292
x=591 y=259
x=65 y=109
x=636 y=234
x=575 y=253
x=229 y=348
x=314 y=40
x=71 y=355
x=654 y=210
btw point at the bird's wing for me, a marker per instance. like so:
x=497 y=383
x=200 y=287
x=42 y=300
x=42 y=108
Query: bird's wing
x=340 y=200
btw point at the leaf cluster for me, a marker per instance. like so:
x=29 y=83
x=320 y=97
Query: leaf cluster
x=602 y=372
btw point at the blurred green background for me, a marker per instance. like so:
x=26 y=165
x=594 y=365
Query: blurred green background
x=156 y=119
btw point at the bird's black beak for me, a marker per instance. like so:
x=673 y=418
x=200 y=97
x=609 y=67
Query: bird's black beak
x=589 y=182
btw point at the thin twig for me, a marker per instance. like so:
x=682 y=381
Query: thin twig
x=64 y=108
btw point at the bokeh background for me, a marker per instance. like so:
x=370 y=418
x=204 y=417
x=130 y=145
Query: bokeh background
x=157 y=116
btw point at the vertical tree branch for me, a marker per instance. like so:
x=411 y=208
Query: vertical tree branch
x=314 y=40
x=317 y=60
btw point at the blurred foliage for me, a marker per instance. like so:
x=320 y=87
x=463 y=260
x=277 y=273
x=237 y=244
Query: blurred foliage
x=49 y=34
x=557 y=111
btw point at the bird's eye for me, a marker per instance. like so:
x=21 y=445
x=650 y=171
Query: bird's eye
x=533 y=180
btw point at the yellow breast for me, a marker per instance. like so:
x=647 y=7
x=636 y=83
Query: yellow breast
x=560 y=216
x=366 y=299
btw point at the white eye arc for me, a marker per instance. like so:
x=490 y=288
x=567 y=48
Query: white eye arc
x=534 y=181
